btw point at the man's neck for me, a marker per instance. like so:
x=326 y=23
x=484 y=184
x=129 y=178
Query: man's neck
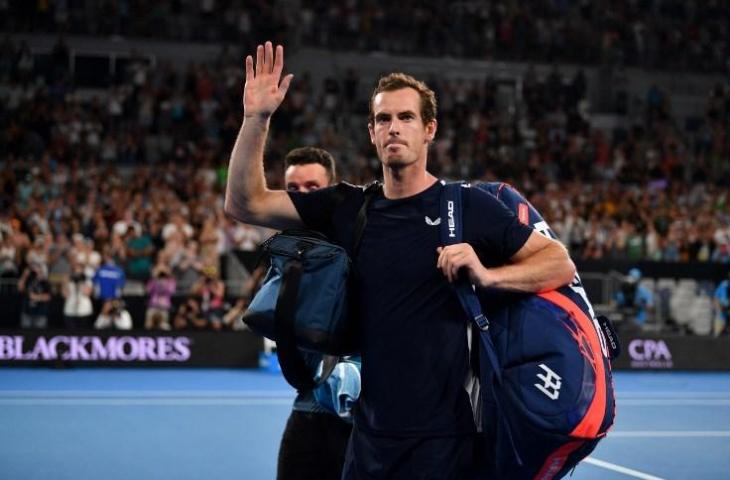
x=405 y=182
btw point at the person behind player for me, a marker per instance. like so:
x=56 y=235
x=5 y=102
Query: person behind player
x=414 y=419
x=314 y=440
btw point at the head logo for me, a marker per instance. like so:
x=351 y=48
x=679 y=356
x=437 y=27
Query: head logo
x=648 y=353
x=452 y=222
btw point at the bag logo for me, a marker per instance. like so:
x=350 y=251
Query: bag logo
x=433 y=222
x=551 y=382
x=452 y=222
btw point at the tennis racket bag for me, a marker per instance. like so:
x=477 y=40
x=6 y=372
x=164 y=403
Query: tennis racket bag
x=545 y=391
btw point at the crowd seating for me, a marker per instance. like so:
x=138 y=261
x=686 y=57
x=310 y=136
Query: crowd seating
x=144 y=161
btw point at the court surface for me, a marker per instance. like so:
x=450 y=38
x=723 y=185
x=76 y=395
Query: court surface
x=122 y=424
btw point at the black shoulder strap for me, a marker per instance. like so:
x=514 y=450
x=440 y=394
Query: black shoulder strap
x=371 y=190
x=293 y=366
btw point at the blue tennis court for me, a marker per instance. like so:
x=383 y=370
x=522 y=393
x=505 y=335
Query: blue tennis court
x=190 y=424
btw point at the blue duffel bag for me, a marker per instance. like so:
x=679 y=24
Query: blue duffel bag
x=304 y=290
x=303 y=302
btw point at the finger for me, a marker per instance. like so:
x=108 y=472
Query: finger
x=446 y=267
x=249 y=68
x=278 y=60
x=268 y=57
x=284 y=87
x=440 y=264
x=259 y=59
x=455 y=267
x=440 y=260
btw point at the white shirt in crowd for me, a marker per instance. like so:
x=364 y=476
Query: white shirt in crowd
x=78 y=304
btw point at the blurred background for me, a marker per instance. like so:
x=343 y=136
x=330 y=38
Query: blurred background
x=117 y=119
x=116 y=122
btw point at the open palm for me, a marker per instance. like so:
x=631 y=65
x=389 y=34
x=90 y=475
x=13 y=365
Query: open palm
x=265 y=89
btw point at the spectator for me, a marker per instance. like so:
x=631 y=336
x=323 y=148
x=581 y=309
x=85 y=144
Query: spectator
x=77 y=307
x=59 y=266
x=211 y=241
x=233 y=316
x=721 y=302
x=109 y=281
x=36 y=292
x=210 y=290
x=177 y=224
x=243 y=237
x=139 y=251
x=189 y=316
x=8 y=255
x=160 y=288
x=635 y=300
x=187 y=266
x=83 y=253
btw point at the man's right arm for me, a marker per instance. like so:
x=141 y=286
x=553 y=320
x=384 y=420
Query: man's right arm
x=247 y=197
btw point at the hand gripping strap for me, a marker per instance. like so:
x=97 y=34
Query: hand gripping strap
x=451 y=234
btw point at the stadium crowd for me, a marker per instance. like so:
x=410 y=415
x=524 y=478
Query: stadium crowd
x=136 y=176
x=630 y=32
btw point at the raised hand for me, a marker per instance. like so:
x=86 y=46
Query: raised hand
x=265 y=89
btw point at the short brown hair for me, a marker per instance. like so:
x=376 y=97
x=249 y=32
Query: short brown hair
x=398 y=81
x=307 y=155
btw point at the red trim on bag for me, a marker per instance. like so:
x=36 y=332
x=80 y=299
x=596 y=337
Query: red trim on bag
x=557 y=459
x=523 y=213
x=590 y=425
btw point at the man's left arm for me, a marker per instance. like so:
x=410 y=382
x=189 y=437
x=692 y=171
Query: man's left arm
x=541 y=264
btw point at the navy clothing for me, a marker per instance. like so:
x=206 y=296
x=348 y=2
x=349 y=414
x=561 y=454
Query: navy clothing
x=305 y=401
x=313 y=447
x=414 y=346
x=371 y=457
x=38 y=286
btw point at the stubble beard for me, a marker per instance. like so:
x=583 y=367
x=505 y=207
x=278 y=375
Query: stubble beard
x=396 y=161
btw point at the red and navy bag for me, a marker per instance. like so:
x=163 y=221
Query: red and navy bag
x=545 y=387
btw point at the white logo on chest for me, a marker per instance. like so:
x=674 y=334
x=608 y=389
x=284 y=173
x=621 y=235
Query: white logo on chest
x=433 y=222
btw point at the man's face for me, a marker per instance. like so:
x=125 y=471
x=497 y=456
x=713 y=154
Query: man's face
x=397 y=131
x=306 y=178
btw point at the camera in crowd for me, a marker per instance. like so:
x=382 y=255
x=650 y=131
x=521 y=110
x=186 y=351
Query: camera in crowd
x=162 y=272
x=116 y=307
